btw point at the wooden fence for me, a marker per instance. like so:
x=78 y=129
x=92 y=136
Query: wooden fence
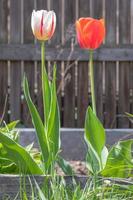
x=20 y=52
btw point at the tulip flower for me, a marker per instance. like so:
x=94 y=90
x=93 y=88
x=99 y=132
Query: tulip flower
x=43 y=24
x=90 y=35
x=90 y=32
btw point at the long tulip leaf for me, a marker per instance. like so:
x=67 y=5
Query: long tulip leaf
x=37 y=122
x=95 y=138
x=54 y=119
x=94 y=131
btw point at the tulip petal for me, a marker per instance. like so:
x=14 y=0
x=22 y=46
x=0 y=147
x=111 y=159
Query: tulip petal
x=80 y=35
x=43 y=24
x=94 y=33
x=90 y=32
x=53 y=25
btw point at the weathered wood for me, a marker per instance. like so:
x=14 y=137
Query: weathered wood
x=82 y=93
x=3 y=64
x=10 y=184
x=29 y=66
x=131 y=91
x=131 y=65
x=110 y=68
x=15 y=68
x=69 y=89
x=82 y=75
x=27 y=52
x=124 y=38
x=69 y=99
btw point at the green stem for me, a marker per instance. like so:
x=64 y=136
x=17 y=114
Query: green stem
x=42 y=73
x=91 y=73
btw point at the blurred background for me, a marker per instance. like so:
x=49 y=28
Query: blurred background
x=113 y=61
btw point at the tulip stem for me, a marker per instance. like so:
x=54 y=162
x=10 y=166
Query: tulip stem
x=91 y=75
x=42 y=73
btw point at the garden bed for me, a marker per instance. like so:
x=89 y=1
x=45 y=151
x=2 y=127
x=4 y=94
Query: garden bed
x=73 y=150
x=12 y=185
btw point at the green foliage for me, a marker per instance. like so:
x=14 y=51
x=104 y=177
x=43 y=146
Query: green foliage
x=129 y=114
x=37 y=122
x=115 y=163
x=59 y=189
x=95 y=138
x=48 y=134
x=66 y=168
x=18 y=155
x=53 y=126
x=119 y=162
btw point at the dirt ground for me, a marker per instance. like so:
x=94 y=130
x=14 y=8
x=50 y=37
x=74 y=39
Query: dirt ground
x=78 y=167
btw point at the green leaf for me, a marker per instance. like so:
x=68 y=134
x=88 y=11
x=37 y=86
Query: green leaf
x=119 y=161
x=95 y=138
x=129 y=114
x=9 y=130
x=9 y=169
x=53 y=127
x=94 y=131
x=37 y=122
x=9 y=127
x=64 y=165
x=40 y=192
x=19 y=155
x=45 y=86
x=93 y=161
x=47 y=95
x=104 y=156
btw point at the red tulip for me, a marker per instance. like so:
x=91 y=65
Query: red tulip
x=90 y=32
x=43 y=24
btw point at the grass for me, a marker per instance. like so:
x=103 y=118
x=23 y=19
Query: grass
x=57 y=189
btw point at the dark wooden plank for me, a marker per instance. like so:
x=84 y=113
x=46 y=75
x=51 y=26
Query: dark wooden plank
x=131 y=90
x=29 y=52
x=41 y=5
x=124 y=38
x=15 y=68
x=98 y=66
x=131 y=65
x=98 y=79
x=110 y=69
x=82 y=95
x=82 y=76
x=85 y=11
x=69 y=99
x=57 y=7
x=29 y=67
x=69 y=90
x=3 y=64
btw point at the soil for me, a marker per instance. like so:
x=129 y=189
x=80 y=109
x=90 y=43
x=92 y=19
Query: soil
x=79 y=168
